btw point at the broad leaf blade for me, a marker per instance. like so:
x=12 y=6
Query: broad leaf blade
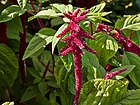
x=132 y=98
x=43 y=88
x=132 y=59
x=39 y=41
x=98 y=8
x=22 y=3
x=8 y=65
x=55 y=39
x=106 y=47
x=102 y=92
x=14 y=29
x=132 y=22
x=61 y=7
x=10 y=13
x=30 y=93
x=91 y=62
x=45 y=14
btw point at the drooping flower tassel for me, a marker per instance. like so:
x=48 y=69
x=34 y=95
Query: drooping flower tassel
x=125 y=42
x=75 y=44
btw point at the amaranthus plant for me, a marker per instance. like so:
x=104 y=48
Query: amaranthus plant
x=97 y=61
x=75 y=44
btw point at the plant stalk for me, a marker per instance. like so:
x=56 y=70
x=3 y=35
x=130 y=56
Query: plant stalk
x=22 y=48
x=39 y=20
x=3 y=36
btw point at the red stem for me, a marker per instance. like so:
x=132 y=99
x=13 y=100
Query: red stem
x=22 y=48
x=130 y=35
x=39 y=20
x=46 y=69
x=3 y=36
x=53 y=61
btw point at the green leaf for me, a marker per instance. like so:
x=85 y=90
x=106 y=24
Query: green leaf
x=56 y=21
x=45 y=14
x=3 y=2
x=103 y=92
x=61 y=7
x=120 y=22
x=71 y=84
x=132 y=98
x=52 y=82
x=106 y=47
x=68 y=62
x=14 y=29
x=40 y=40
x=30 y=93
x=43 y=1
x=8 y=65
x=34 y=73
x=96 y=14
x=43 y=87
x=98 y=8
x=62 y=76
x=132 y=22
x=92 y=63
x=132 y=59
x=123 y=74
x=55 y=39
x=93 y=73
x=10 y=13
x=22 y=3
x=52 y=97
x=8 y=103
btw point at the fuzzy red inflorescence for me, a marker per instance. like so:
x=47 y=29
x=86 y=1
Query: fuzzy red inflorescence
x=75 y=44
x=110 y=75
x=125 y=42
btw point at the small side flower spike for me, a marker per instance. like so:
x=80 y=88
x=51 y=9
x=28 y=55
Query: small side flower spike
x=110 y=75
x=75 y=44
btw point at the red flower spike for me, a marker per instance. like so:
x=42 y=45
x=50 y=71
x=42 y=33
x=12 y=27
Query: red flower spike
x=75 y=44
x=76 y=12
x=85 y=12
x=125 y=42
x=85 y=34
x=80 y=18
x=68 y=15
x=64 y=31
x=68 y=50
x=110 y=75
